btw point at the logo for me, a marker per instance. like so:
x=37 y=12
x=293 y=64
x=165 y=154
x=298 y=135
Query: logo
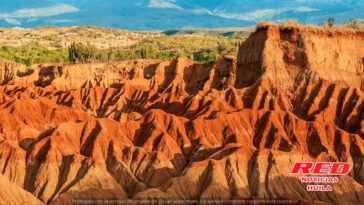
x=320 y=168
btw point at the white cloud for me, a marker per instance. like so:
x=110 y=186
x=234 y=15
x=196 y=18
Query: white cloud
x=254 y=15
x=32 y=20
x=201 y=11
x=305 y=9
x=61 y=21
x=165 y=4
x=262 y=14
x=34 y=13
x=40 y=12
x=12 y=21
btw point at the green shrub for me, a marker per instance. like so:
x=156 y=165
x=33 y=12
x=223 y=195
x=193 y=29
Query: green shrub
x=31 y=55
x=82 y=53
x=198 y=48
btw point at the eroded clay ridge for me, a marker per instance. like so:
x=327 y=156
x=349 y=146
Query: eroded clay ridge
x=175 y=129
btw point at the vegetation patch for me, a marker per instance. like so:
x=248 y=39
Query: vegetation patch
x=198 y=48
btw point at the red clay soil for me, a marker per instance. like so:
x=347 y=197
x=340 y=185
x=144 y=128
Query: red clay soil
x=175 y=129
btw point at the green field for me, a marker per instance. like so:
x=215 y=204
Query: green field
x=32 y=55
x=197 y=48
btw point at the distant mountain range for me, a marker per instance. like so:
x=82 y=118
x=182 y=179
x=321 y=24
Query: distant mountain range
x=226 y=32
x=173 y=14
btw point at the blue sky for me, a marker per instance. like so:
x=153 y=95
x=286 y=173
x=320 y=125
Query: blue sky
x=168 y=14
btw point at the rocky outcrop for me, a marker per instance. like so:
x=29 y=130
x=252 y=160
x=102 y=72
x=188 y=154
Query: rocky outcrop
x=9 y=71
x=150 y=129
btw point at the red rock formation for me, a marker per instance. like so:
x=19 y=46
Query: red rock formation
x=175 y=129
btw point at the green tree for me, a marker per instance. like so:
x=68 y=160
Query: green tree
x=81 y=53
x=110 y=54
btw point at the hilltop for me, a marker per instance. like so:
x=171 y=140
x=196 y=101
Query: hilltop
x=61 y=37
x=226 y=32
x=355 y=23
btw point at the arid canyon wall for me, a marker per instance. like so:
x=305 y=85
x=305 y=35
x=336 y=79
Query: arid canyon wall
x=149 y=129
